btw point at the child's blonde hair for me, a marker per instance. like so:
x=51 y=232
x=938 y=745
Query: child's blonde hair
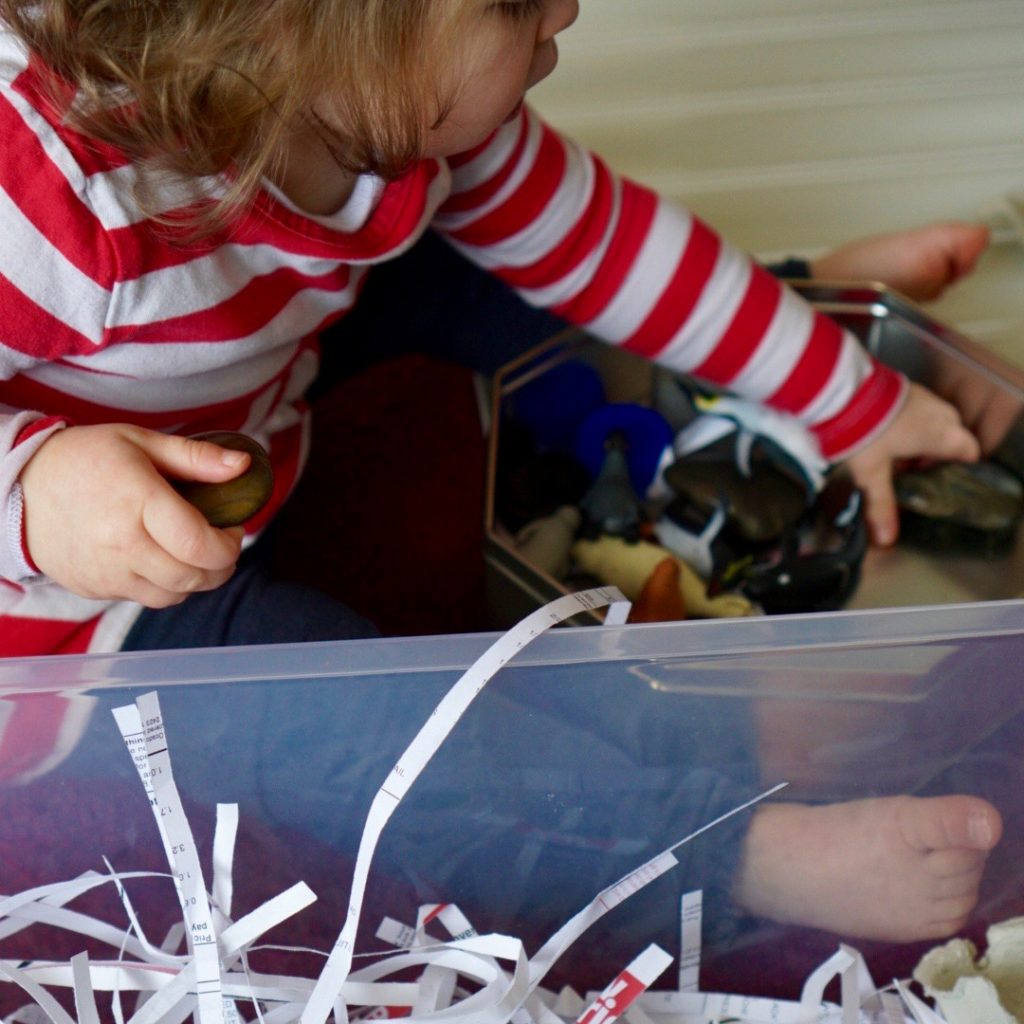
x=203 y=87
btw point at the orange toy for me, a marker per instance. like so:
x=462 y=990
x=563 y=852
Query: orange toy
x=660 y=600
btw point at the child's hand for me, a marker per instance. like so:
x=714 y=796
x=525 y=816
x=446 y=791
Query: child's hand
x=921 y=263
x=102 y=520
x=926 y=427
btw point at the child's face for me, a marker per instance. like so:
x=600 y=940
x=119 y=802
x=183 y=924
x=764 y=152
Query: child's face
x=509 y=47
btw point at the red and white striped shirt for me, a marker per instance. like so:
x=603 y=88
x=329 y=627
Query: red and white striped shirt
x=107 y=319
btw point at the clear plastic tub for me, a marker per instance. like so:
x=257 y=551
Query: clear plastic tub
x=585 y=756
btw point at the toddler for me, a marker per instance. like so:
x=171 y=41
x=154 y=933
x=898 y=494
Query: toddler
x=204 y=188
x=193 y=191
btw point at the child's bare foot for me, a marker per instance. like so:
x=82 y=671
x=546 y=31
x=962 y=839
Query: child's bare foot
x=893 y=868
x=920 y=263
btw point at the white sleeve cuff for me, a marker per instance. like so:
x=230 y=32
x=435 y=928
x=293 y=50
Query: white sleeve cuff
x=14 y=563
x=25 y=573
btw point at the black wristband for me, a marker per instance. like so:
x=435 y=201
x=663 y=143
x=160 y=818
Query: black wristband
x=793 y=267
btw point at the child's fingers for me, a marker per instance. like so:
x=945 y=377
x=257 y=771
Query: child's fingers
x=175 y=578
x=953 y=441
x=930 y=426
x=149 y=595
x=880 y=506
x=968 y=447
x=185 y=458
x=931 y=430
x=143 y=571
x=180 y=530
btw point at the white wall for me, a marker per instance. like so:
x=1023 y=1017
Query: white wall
x=792 y=125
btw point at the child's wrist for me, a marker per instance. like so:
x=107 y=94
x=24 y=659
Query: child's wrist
x=870 y=411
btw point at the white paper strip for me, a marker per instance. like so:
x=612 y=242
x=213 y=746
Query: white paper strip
x=201 y=934
x=637 y=977
x=85 y=999
x=611 y=897
x=430 y=737
x=249 y=928
x=691 y=915
x=224 y=837
x=921 y=1012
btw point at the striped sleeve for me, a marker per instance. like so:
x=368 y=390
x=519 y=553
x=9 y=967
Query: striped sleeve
x=56 y=261
x=54 y=264
x=550 y=219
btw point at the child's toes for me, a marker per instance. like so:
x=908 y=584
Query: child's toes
x=945 y=822
x=951 y=880
x=953 y=887
x=943 y=929
x=956 y=865
x=949 y=916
